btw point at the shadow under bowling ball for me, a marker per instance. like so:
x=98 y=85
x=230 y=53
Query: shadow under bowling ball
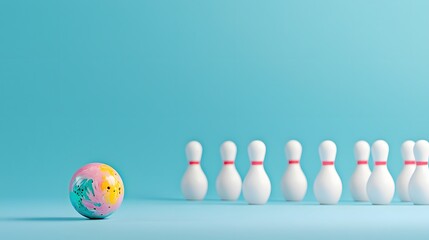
x=46 y=219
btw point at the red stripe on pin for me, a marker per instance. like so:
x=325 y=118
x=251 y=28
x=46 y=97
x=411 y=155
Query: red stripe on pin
x=361 y=162
x=228 y=162
x=421 y=163
x=409 y=162
x=380 y=163
x=327 y=163
x=257 y=162
x=194 y=162
x=293 y=161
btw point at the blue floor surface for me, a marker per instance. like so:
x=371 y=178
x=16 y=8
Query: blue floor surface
x=178 y=219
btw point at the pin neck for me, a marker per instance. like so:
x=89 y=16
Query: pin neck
x=228 y=162
x=257 y=162
x=194 y=163
x=293 y=161
x=362 y=162
x=380 y=163
x=422 y=163
x=409 y=162
x=327 y=163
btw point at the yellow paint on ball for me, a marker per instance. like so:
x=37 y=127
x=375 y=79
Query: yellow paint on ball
x=111 y=184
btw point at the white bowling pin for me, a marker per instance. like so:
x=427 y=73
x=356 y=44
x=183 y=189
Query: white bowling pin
x=362 y=172
x=419 y=182
x=407 y=151
x=256 y=185
x=294 y=182
x=380 y=187
x=328 y=187
x=194 y=182
x=228 y=182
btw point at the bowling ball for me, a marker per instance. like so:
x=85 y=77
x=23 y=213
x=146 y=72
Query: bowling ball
x=96 y=190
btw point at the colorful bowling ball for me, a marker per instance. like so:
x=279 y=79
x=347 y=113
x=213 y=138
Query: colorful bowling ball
x=96 y=190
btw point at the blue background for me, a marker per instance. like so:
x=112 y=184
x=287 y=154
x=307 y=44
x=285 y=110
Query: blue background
x=129 y=83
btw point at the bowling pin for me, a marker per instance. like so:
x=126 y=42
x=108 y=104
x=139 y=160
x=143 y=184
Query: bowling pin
x=256 y=185
x=228 y=182
x=362 y=172
x=194 y=182
x=294 y=182
x=328 y=187
x=419 y=182
x=407 y=151
x=380 y=187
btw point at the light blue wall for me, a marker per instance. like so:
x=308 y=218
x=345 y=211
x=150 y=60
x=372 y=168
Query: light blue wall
x=130 y=82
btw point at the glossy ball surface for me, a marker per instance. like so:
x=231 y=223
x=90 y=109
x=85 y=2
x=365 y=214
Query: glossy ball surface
x=96 y=190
